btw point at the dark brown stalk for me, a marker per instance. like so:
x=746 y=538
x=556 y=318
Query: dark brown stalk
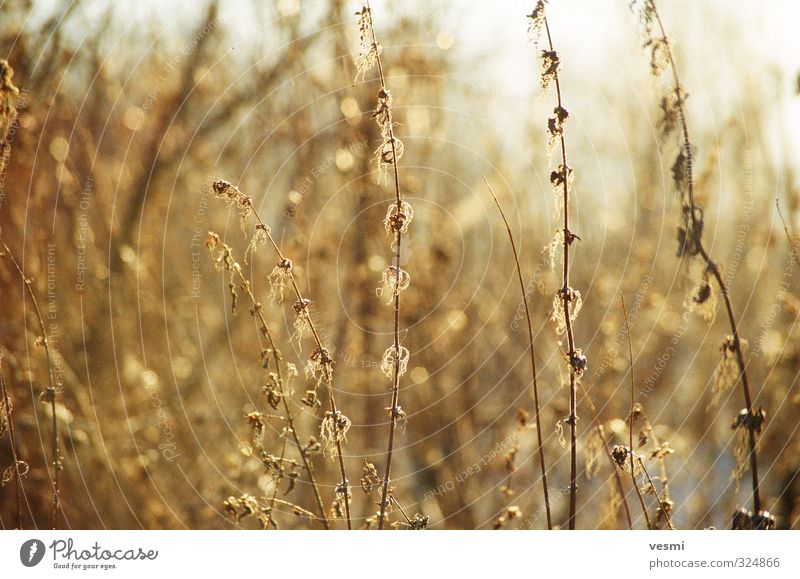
x=794 y=249
x=13 y=440
x=394 y=411
x=566 y=295
x=533 y=358
x=712 y=266
x=50 y=393
x=258 y=310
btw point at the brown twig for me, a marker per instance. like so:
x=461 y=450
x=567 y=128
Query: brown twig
x=394 y=409
x=794 y=246
x=694 y=236
x=533 y=357
x=561 y=178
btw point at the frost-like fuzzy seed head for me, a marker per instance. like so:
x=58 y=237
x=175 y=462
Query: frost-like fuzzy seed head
x=393 y=281
x=320 y=366
x=368 y=49
x=397 y=218
x=392 y=359
x=334 y=428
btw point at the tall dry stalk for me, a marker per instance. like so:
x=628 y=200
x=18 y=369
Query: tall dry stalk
x=534 y=373
x=320 y=364
x=566 y=299
x=398 y=219
x=49 y=395
x=690 y=234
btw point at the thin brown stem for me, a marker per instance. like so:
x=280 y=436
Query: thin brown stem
x=50 y=393
x=394 y=412
x=794 y=245
x=533 y=357
x=13 y=441
x=711 y=265
x=632 y=414
x=667 y=516
x=617 y=476
x=566 y=295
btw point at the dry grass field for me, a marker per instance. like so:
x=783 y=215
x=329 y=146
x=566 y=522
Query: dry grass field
x=332 y=265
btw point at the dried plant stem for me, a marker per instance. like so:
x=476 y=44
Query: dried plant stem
x=602 y=433
x=794 y=246
x=277 y=482
x=618 y=478
x=50 y=393
x=533 y=358
x=394 y=411
x=712 y=266
x=667 y=516
x=666 y=501
x=632 y=414
x=566 y=295
x=345 y=485
x=13 y=440
x=258 y=311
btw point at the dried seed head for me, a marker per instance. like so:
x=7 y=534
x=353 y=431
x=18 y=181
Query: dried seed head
x=369 y=477
x=744 y=520
x=334 y=428
x=8 y=100
x=320 y=366
x=620 y=455
x=369 y=50
x=10 y=473
x=578 y=362
x=393 y=281
x=279 y=277
x=703 y=299
x=750 y=420
x=536 y=21
x=399 y=218
x=555 y=125
x=574 y=304
x=233 y=196
x=395 y=359
x=551 y=63
x=302 y=320
x=260 y=236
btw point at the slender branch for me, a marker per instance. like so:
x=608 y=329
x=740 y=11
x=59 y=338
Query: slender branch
x=667 y=516
x=711 y=265
x=533 y=357
x=394 y=411
x=50 y=392
x=567 y=297
x=617 y=476
x=794 y=246
x=632 y=414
